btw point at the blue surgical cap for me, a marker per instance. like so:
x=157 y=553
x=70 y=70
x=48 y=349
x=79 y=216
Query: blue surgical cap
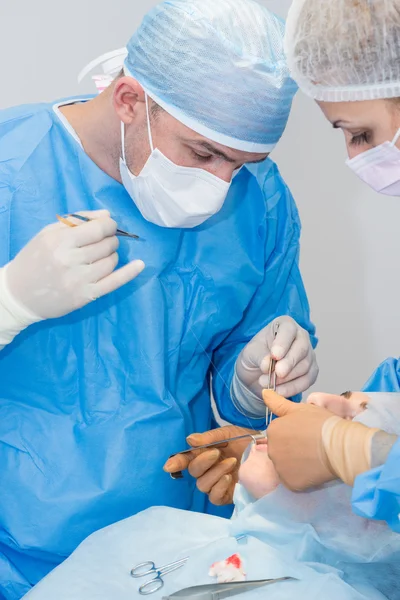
x=218 y=66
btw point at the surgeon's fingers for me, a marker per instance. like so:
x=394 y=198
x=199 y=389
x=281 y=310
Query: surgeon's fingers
x=299 y=351
x=94 y=252
x=179 y=462
x=301 y=369
x=202 y=463
x=209 y=437
x=206 y=482
x=299 y=385
x=118 y=278
x=278 y=405
x=102 y=268
x=92 y=232
x=222 y=492
x=284 y=339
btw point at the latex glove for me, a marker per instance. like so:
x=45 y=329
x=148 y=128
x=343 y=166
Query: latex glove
x=62 y=268
x=296 y=368
x=216 y=470
x=310 y=446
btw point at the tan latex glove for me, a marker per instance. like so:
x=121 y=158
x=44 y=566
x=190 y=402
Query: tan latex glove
x=310 y=446
x=216 y=469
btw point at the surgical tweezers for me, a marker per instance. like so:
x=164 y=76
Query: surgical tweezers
x=219 y=591
x=120 y=232
x=271 y=379
x=254 y=437
x=271 y=386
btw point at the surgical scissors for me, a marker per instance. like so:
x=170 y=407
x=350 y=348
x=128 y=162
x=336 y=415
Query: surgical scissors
x=149 y=568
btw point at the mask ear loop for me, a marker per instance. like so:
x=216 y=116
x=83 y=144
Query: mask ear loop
x=148 y=122
x=148 y=130
x=396 y=138
x=123 y=141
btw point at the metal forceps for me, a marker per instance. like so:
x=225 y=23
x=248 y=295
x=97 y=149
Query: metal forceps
x=219 y=591
x=149 y=568
x=254 y=437
x=272 y=379
x=120 y=232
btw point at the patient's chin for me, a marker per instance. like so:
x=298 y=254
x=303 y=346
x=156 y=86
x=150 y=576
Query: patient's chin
x=257 y=474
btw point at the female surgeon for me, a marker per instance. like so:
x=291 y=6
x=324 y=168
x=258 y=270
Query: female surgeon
x=346 y=55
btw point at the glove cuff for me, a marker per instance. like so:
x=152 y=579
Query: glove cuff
x=347 y=447
x=245 y=400
x=14 y=317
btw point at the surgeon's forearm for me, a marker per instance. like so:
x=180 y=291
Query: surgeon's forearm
x=13 y=317
x=381 y=445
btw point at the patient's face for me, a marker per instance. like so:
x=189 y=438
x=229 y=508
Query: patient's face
x=347 y=405
x=257 y=474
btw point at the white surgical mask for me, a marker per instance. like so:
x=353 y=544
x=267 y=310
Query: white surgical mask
x=169 y=195
x=379 y=167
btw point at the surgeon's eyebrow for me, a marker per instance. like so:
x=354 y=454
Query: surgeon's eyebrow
x=343 y=125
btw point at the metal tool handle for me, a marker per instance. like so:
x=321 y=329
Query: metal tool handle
x=254 y=437
x=157 y=583
x=272 y=378
x=152 y=586
x=143 y=569
x=119 y=232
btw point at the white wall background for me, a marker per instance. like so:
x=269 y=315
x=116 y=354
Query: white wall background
x=350 y=245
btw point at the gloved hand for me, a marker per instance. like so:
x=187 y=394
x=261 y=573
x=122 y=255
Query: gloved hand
x=296 y=368
x=216 y=469
x=62 y=268
x=310 y=446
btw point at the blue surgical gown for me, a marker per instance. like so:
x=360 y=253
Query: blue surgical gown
x=92 y=404
x=376 y=494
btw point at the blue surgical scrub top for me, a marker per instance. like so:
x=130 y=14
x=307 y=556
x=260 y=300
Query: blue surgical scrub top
x=376 y=494
x=92 y=404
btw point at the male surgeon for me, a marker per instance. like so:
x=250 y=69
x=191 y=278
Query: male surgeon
x=95 y=395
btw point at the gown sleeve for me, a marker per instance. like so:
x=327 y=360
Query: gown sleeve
x=281 y=292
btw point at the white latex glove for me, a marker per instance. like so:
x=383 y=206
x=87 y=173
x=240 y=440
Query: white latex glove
x=63 y=268
x=296 y=368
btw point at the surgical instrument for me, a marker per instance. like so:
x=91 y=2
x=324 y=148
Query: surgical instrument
x=218 y=591
x=254 y=437
x=120 y=232
x=271 y=386
x=149 y=568
x=271 y=379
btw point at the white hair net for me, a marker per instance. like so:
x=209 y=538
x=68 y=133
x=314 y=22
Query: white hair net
x=345 y=50
x=218 y=66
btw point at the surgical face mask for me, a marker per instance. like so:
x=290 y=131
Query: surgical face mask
x=379 y=167
x=169 y=195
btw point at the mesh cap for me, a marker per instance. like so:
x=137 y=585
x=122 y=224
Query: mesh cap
x=218 y=66
x=343 y=50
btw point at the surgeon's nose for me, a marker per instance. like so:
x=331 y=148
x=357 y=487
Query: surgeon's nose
x=226 y=172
